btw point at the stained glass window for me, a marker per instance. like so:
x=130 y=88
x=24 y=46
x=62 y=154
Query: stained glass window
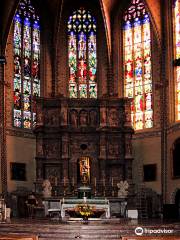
x=26 y=65
x=137 y=64
x=177 y=55
x=82 y=58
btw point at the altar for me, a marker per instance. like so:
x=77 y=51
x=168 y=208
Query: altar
x=95 y=204
x=64 y=207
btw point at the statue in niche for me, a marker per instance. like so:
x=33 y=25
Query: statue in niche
x=39 y=172
x=128 y=147
x=39 y=116
x=53 y=118
x=83 y=118
x=93 y=118
x=123 y=189
x=84 y=165
x=46 y=188
x=40 y=149
x=47 y=120
x=113 y=118
x=113 y=149
x=63 y=117
x=103 y=116
x=73 y=118
x=65 y=147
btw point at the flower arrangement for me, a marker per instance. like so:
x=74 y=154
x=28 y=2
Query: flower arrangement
x=84 y=210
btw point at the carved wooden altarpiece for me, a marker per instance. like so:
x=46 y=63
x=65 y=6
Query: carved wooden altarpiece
x=69 y=130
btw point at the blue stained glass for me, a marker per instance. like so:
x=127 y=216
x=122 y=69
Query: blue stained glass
x=137 y=22
x=17 y=18
x=27 y=22
x=36 y=25
x=127 y=25
x=26 y=65
x=82 y=54
x=145 y=19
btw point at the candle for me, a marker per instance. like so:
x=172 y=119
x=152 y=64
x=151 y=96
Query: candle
x=95 y=181
x=4 y=211
x=55 y=181
x=112 y=181
x=73 y=181
x=64 y=181
x=104 y=182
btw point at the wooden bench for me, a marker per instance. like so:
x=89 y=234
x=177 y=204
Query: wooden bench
x=17 y=237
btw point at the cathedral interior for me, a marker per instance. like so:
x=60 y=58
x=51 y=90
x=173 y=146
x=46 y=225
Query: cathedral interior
x=90 y=103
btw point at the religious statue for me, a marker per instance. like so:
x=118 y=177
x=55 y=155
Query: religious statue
x=123 y=189
x=93 y=118
x=85 y=170
x=73 y=118
x=83 y=118
x=46 y=188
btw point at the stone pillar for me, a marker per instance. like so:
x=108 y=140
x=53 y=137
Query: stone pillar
x=65 y=156
x=102 y=155
x=3 y=130
x=103 y=116
x=127 y=112
x=39 y=113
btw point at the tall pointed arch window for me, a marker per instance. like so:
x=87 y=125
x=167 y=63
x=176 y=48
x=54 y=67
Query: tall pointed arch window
x=26 y=42
x=176 y=11
x=82 y=54
x=137 y=64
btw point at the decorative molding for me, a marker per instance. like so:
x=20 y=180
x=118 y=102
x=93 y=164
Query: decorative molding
x=173 y=128
x=20 y=133
x=148 y=134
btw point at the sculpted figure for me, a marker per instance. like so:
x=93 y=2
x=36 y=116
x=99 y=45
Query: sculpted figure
x=123 y=189
x=46 y=188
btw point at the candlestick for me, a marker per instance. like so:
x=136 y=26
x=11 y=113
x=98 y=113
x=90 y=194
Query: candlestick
x=64 y=181
x=73 y=181
x=55 y=181
x=104 y=182
x=4 y=212
x=95 y=181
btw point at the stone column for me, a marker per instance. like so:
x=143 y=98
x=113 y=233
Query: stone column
x=3 y=130
x=65 y=157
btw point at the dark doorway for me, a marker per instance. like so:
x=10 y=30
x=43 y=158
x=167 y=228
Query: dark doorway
x=177 y=202
x=176 y=158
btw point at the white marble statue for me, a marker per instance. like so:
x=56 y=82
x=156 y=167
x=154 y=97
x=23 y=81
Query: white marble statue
x=46 y=188
x=123 y=189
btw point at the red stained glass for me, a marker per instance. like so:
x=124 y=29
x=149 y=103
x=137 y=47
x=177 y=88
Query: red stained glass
x=137 y=65
x=82 y=54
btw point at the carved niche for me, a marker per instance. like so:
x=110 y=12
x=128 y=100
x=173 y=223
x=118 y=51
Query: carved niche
x=51 y=148
x=113 y=149
x=51 y=118
x=74 y=118
x=113 y=117
x=93 y=118
x=83 y=118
